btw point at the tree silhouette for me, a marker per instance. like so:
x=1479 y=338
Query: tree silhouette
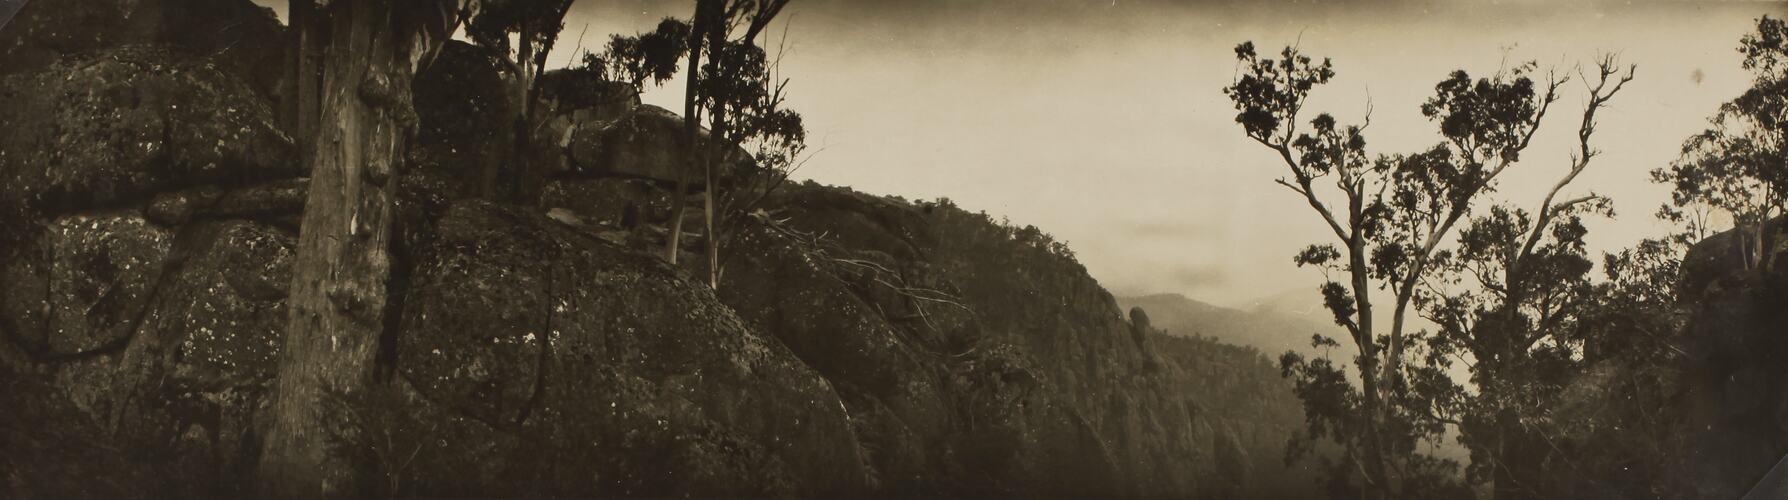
x=707 y=13
x=535 y=27
x=1390 y=216
x=1737 y=165
x=637 y=59
x=741 y=96
x=1519 y=282
x=751 y=102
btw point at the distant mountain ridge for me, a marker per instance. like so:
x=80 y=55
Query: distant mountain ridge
x=1271 y=326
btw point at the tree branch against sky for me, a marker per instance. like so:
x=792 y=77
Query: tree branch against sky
x=1515 y=288
x=1739 y=165
x=1390 y=216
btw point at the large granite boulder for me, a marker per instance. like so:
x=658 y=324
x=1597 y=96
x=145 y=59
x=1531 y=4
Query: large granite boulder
x=115 y=127
x=531 y=359
x=242 y=37
x=609 y=133
x=163 y=339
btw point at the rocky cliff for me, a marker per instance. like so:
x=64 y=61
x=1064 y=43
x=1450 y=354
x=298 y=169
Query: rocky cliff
x=987 y=352
x=1732 y=411
x=1687 y=397
x=858 y=345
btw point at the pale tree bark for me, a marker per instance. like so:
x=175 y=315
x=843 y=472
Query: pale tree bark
x=691 y=123
x=338 y=291
x=757 y=16
x=716 y=132
x=716 y=137
x=529 y=65
x=1372 y=460
x=518 y=148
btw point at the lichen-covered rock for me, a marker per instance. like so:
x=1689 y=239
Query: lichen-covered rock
x=163 y=339
x=50 y=449
x=40 y=34
x=573 y=351
x=104 y=272
x=118 y=126
x=240 y=36
x=174 y=208
x=227 y=304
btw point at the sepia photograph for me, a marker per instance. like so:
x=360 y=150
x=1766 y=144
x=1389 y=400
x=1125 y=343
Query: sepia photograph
x=894 y=249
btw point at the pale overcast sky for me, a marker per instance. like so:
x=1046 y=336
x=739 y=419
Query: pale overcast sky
x=1103 y=122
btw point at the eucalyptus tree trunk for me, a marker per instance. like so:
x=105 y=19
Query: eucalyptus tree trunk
x=304 y=46
x=708 y=193
x=338 y=291
x=518 y=152
x=1378 y=479
x=717 y=137
x=691 y=98
x=1766 y=243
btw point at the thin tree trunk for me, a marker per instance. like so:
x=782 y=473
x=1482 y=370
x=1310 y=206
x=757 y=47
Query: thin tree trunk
x=690 y=95
x=713 y=240
x=303 y=74
x=518 y=154
x=1405 y=291
x=1765 y=243
x=672 y=245
x=717 y=139
x=338 y=291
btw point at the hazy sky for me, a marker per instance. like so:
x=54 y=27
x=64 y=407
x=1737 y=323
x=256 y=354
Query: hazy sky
x=1103 y=122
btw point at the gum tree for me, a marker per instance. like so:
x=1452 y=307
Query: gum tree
x=1737 y=165
x=338 y=294
x=1388 y=217
x=534 y=27
x=1520 y=283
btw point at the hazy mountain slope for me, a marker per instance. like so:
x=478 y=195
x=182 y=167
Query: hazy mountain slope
x=1272 y=330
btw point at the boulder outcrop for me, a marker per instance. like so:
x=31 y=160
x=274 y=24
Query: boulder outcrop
x=115 y=127
x=1735 y=386
x=147 y=221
